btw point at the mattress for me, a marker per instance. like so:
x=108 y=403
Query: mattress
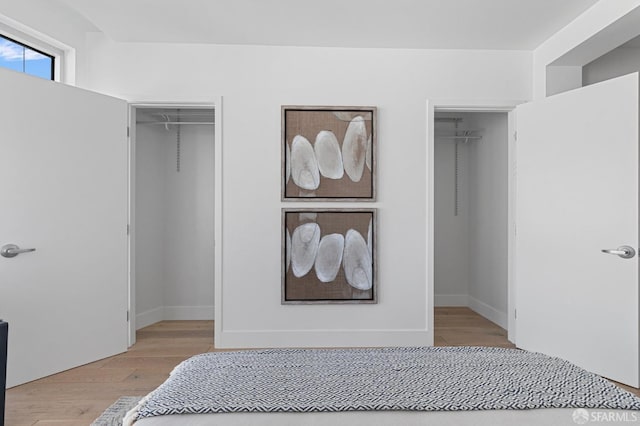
x=534 y=417
x=381 y=386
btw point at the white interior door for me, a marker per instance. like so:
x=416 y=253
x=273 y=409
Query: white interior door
x=63 y=191
x=577 y=193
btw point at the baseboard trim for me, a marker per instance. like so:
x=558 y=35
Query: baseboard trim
x=321 y=338
x=188 y=313
x=489 y=312
x=173 y=313
x=451 y=300
x=152 y=316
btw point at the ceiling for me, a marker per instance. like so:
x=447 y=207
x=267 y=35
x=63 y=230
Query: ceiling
x=633 y=43
x=421 y=24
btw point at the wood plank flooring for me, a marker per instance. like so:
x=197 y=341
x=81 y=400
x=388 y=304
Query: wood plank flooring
x=463 y=327
x=78 y=396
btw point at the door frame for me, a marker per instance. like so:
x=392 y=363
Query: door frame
x=506 y=106
x=216 y=104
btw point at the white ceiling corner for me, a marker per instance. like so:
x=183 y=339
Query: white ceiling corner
x=419 y=24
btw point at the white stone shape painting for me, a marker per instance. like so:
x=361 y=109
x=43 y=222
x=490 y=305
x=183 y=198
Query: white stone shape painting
x=304 y=166
x=358 y=268
x=304 y=248
x=354 y=148
x=328 y=256
x=329 y=156
x=328 y=153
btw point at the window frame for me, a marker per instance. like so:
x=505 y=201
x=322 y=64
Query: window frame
x=53 y=57
x=64 y=54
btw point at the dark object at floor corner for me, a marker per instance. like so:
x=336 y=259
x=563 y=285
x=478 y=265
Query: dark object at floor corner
x=4 y=331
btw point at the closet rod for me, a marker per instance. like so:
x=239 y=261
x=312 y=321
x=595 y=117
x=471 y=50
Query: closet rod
x=175 y=122
x=184 y=112
x=459 y=137
x=447 y=120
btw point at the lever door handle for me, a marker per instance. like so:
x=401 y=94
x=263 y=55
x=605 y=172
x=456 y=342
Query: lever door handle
x=624 y=252
x=12 y=250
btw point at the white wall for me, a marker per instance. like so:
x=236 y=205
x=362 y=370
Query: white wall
x=563 y=78
x=255 y=82
x=150 y=224
x=49 y=18
x=488 y=217
x=188 y=258
x=451 y=239
x=174 y=224
x=602 y=28
x=618 y=62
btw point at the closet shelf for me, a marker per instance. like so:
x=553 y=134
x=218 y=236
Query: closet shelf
x=175 y=122
x=458 y=137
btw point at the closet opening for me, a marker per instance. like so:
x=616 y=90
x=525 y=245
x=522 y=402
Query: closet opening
x=471 y=203
x=172 y=214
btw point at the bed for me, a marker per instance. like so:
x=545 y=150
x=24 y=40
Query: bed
x=382 y=386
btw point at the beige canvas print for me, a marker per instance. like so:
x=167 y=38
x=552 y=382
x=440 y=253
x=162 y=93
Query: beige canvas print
x=328 y=256
x=328 y=153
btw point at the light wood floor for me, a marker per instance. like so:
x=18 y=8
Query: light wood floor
x=463 y=327
x=76 y=397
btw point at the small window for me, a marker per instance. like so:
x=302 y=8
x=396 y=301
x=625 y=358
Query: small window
x=20 y=57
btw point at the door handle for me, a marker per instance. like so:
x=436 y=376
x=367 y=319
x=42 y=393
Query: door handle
x=624 y=252
x=12 y=250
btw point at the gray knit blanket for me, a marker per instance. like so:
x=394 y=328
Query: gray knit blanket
x=423 y=379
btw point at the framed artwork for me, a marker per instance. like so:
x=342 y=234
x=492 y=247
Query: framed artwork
x=328 y=153
x=329 y=256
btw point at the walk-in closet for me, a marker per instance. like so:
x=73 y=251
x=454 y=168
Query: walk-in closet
x=471 y=200
x=173 y=224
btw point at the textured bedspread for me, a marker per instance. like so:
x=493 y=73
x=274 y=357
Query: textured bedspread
x=424 y=379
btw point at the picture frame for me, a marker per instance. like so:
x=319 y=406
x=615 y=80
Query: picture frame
x=328 y=153
x=329 y=256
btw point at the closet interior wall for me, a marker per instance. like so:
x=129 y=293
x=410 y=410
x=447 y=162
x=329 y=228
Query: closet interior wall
x=471 y=240
x=174 y=196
